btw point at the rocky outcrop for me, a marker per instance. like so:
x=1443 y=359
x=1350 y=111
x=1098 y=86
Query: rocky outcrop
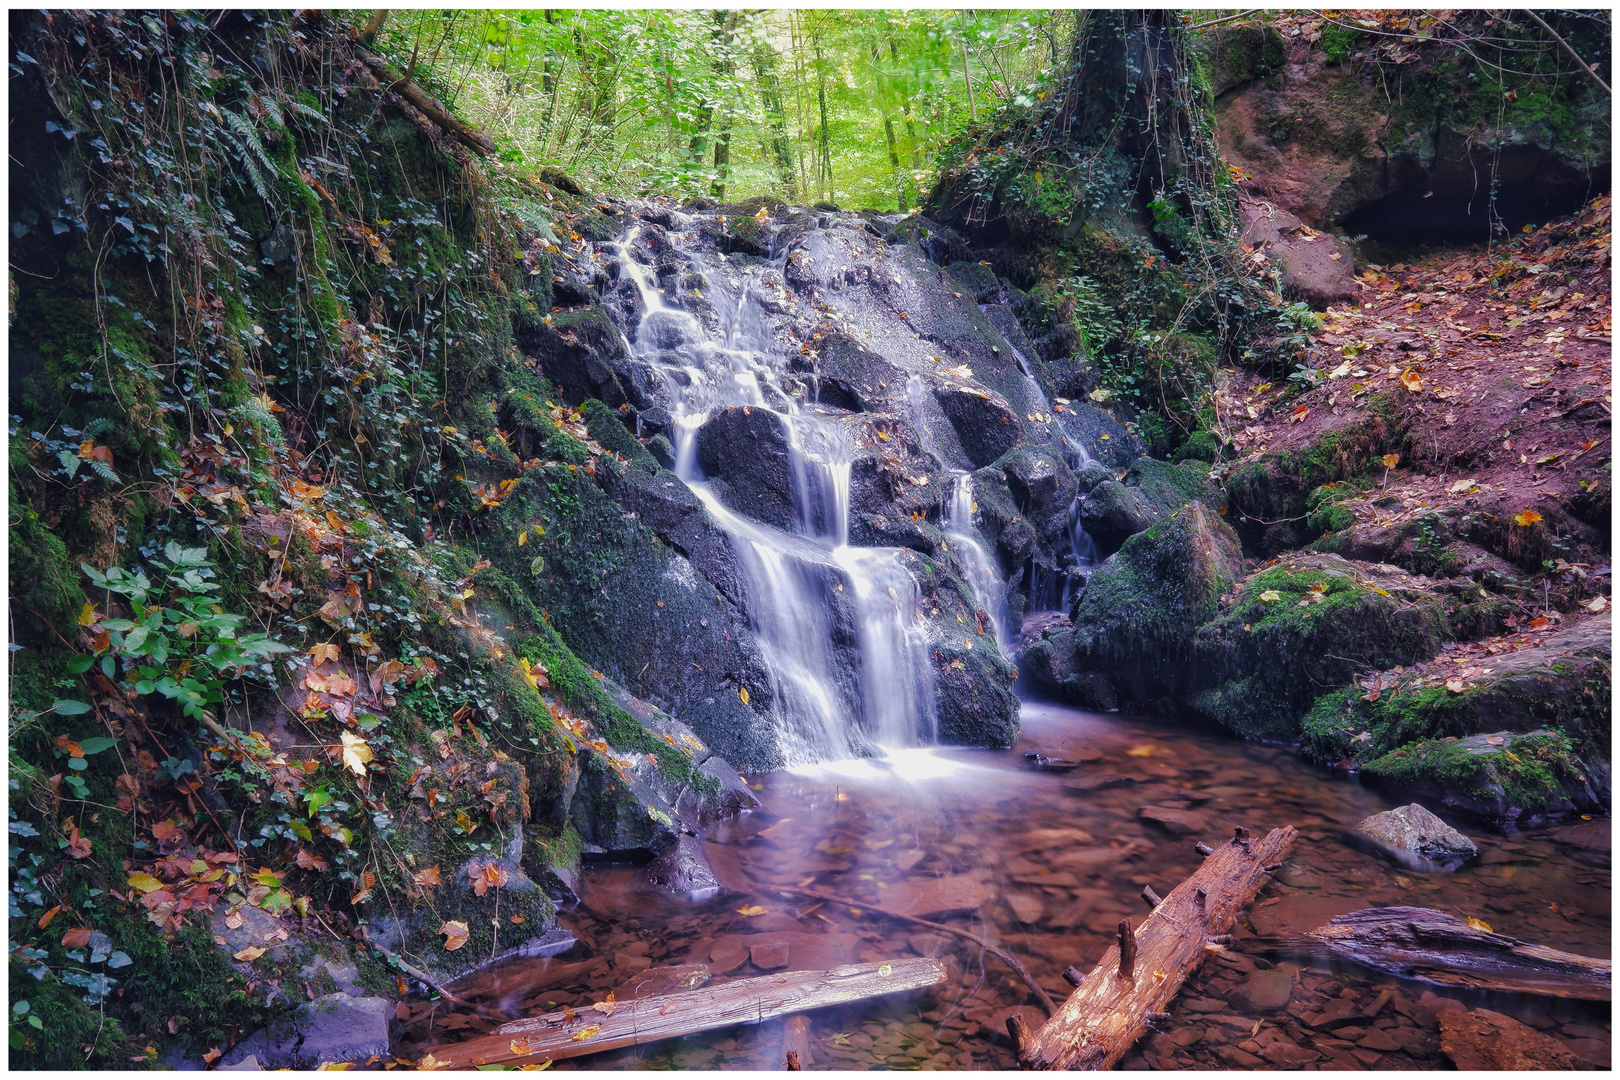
x=1412 y=832
x=1311 y=266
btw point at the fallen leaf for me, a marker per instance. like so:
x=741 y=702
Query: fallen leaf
x=606 y=1005
x=1462 y=487
x=233 y=919
x=76 y=938
x=1271 y=596
x=486 y=877
x=211 y=1056
x=78 y=846
x=1598 y=604
x=519 y=1047
x=45 y=919
x=1455 y=684
x=587 y=1033
x=323 y=653
x=1496 y=740
x=428 y=877
x=1412 y=382
x=455 y=934
x=309 y=861
x=1391 y=460
x=355 y=753
x=751 y=910
x=1479 y=924
x=465 y=823
x=430 y=1062
x=146 y=883
x=1526 y=517
x=252 y=952
x=1145 y=750
x=742 y=692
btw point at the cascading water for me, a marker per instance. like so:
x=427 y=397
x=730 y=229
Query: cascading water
x=793 y=582
x=981 y=570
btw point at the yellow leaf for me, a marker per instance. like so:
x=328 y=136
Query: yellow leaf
x=1479 y=924
x=1526 y=517
x=252 y=952
x=1456 y=684
x=455 y=935
x=1598 y=604
x=751 y=910
x=88 y=615
x=885 y=970
x=606 y=1006
x=523 y=537
x=520 y=1047
x=323 y=653
x=1462 y=487
x=742 y=692
x=145 y=882
x=1412 y=382
x=431 y=1062
x=1391 y=460
x=334 y=1066
x=355 y=753
x=536 y=1067
x=587 y=1033
x=1271 y=596
x=1145 y=750
x=465 y=823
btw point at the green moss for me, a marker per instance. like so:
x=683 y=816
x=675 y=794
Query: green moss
x=608 y=430
x=1528 y=773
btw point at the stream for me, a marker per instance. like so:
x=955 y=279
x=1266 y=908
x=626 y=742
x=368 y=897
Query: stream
x=1044 y=865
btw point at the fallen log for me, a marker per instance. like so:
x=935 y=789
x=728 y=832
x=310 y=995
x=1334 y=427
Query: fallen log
x=429 y=106
x=1435 y=947
x=609 y=1026
x=1110 y=1008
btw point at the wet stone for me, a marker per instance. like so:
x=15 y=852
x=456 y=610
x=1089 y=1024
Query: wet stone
x=1415 y=832
x=1482 y=1039
x=1265 y=991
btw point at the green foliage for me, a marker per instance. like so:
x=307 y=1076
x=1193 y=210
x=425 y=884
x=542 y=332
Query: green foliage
x=179 y=644
x=1528 y=774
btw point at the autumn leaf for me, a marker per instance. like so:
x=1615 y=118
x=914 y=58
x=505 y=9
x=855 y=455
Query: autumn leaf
x=355 y=753
x=308 y=861
x=488 y=876
x=519 y=1047
x=1412 y=382
x=1271 y=596
x=1480 y=924
x=1145 y=750
x=1391 y=460
x=78 y=846
x=430 y=1062
x=1455 y=684
x=323 y=653
x=742 y=692
x=233 y=919
x=465 y=823
x=146 y=883
x=249 y=954
x=1462 y=487
x=751 y=910
x=428 y=877
x=76 y=938
x=606 y=1006
x=211 y=1056
x=1526 y=517
x=581 y=1036
x=45 y=919
x=1598 y=604
x=455 y=935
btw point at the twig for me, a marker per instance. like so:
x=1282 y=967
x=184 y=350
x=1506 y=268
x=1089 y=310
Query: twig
x=1573 y=55
x=1005 y=957
x=417 y=973
x=1223 y=19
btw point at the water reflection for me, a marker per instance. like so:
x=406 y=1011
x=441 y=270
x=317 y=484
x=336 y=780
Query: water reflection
x=1045 y=865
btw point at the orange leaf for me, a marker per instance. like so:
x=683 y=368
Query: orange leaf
x=76 y=938
x=455 y=935
x=78 y=846
x=323 y=653
x=249 y=954
x=1412 y=382
x=309 y=861
x=1526 y=517
x=45 y=919
x=427 y=877
x=211 y=1056
x=606 y=1005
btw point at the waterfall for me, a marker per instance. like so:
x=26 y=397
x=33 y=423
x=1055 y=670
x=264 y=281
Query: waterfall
x=982 y=576
x=795 y=583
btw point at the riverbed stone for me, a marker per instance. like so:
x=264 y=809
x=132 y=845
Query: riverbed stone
x=333 y=1028
x=683 y=869
x=1266 y=991
x=1414 y=830
x=1482 y=1039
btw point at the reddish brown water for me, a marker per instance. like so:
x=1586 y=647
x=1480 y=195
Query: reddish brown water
x=1044 y=866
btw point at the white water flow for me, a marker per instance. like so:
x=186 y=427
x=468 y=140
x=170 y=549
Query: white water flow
x=834 y=698
x=982 y=576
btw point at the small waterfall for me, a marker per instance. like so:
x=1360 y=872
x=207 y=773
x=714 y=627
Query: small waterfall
x=982 y=576
x=793 y=581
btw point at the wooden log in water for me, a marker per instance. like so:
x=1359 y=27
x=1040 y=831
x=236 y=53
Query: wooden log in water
x=575 y=1032
x=1436 y=947
x=1110 y=1009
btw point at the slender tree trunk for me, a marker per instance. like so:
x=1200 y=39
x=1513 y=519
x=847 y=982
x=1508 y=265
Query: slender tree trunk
x=905 y=109
x=770 y=95
x=825 y=164
x=726 y=68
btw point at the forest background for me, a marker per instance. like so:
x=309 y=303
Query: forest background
x=844 y=106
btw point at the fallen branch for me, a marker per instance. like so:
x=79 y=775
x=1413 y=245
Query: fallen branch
x=1435 y=947
x=574 y=1032
x=1005 y=957
x=417 y=973
x=1591 y=72
x=1111 y=1008
x=430 y=106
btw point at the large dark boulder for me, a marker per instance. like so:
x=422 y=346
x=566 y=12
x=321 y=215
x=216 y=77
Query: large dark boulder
x=582 y=351
x=984 y=422
x=748 y=450
x=1134 y=622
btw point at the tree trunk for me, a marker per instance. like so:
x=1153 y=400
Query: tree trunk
x=1109 y=1010
x=779 y=149
x=574 y=1032
x=726 y=67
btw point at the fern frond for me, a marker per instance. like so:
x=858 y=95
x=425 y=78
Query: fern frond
x=103 y=470
x=249 y=136
x=305 y=111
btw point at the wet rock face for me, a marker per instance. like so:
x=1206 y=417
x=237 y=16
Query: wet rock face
x=747 y=450
x=1482 y=1039
x=1412 y=830
x=333 y=1028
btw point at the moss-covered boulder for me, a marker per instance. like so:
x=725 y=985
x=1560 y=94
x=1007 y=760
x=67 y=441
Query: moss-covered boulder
x=582 y=351
x=1309 y=622
x=1561 y=680
x=1134 y=622
x=1504 y=777
x=984 y=422
x=1150 y=491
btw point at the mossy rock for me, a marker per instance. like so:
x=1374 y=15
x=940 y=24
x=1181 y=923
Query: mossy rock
x=1506 y=778
x=1135 y=620
x=1564 y=683
x=1151 y=491
x=1309 y=622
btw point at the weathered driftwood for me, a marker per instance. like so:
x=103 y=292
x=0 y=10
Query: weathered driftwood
x=574 y=1032
x=1435 y=947
x=1001 y=954
x=1111 y=1007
